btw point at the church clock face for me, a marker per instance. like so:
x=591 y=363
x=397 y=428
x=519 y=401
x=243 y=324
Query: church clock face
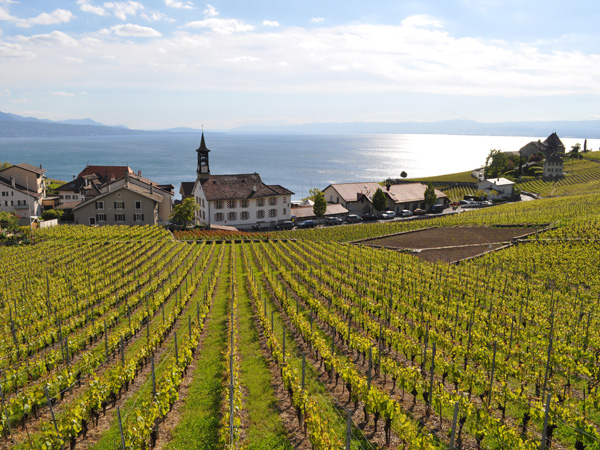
x=204 y=169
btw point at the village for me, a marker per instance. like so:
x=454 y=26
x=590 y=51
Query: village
x=118 y=195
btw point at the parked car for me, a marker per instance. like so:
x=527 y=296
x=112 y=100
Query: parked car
x=368 y=217
x=307 y=224
x=353 y=218
x=388 y=215
x=406 y=213
x=419 y=212
x=287 y=225
x=333 y=221
x=486 y=203
x=437 y=209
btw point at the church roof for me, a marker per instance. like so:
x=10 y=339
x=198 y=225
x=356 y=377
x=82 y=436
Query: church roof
x=239 y=187
x=202 y=147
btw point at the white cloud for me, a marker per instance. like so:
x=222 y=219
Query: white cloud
x=416 y=56
x=63 y=94
x=270 y=23
x=55 y=38
x=124 y=9
x=317 y=20
x=5 y=93
x=210 y=11
x=422 y=21
x=9 y=50
x=55 y=17
x=222 y=26
x=87 y=6
x=179 y=4
x=131 y=30
x=156 y=16
x=5 y=15
x=243 y=59
x=339 y=67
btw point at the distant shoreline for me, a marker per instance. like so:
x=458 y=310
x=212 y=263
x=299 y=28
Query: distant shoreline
x=590 y=129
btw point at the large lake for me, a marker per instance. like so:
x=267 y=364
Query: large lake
x=296 y=161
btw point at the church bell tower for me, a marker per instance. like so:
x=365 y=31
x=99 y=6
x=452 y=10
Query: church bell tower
x=203 y=170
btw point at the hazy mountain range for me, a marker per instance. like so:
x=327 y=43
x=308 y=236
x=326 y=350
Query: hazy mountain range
x=13 y=126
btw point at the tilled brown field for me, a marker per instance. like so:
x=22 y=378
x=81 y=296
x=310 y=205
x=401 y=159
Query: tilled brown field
x=450 y=244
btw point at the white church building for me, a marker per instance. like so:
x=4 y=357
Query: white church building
x=242 y=201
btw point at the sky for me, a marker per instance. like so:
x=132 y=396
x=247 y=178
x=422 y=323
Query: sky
x=156 y=64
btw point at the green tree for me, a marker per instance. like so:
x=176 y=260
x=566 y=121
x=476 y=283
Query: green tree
x=52 y=214
x=5 y=165
x=8 y=221
x=185 y=211
x=403 y=174
x=379 y=200
x=495 y=163
x=575 y=150
x=430 y=196
x=320 y=206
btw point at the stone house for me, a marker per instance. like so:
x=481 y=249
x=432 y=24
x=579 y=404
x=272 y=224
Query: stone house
x=553 y=166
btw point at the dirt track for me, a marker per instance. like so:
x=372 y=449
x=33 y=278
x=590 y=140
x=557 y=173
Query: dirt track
x=449 y=244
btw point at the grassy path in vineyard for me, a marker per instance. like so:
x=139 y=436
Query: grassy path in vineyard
x=200 y=414
x=265 y=429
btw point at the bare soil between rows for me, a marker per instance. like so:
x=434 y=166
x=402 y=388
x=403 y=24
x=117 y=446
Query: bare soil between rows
x=450 y=244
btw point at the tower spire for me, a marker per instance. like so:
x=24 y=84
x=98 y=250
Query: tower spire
x=203 y=169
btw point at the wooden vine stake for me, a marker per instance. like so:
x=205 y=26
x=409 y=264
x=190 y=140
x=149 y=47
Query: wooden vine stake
x=454 y=419
x=121 y=429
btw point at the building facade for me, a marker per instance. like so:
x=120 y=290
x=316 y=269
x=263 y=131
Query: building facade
x=357 y=198
x=553 y=166
x=128 y=200
x=242 y=201
x=22 y=190
x=496 y=187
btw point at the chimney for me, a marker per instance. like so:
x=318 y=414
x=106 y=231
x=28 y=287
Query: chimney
x=40 y=166
x=140 y=173
x=13 y=182
x=151 y=189
x=108 y=187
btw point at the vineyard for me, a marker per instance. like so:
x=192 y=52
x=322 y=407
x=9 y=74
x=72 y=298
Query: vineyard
x=124 y=338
